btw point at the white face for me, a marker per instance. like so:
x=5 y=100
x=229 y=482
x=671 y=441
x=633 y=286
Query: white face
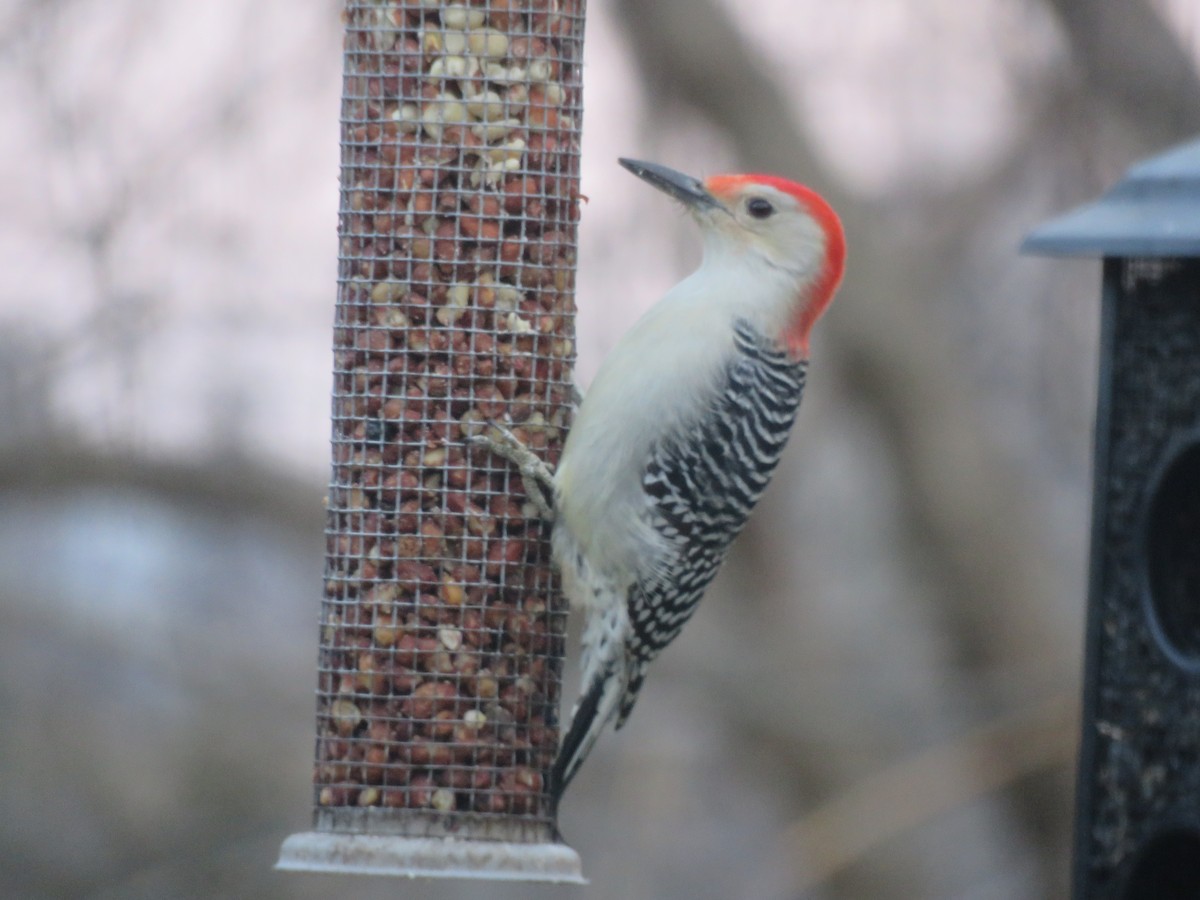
x=760 y=220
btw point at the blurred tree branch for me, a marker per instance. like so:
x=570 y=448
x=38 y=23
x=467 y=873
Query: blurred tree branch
x=1131 y=62
x=234 y=484
x=991 y=757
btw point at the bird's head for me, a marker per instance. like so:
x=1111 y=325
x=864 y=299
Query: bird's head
x=783 y=227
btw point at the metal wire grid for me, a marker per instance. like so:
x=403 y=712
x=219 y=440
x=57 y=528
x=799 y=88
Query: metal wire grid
x=442 y=625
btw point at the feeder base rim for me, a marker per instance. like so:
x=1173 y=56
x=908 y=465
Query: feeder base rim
x=370 y=854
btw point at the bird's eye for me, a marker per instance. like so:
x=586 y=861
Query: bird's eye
x=759 y=208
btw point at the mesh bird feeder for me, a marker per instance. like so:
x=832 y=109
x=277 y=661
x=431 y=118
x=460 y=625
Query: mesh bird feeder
x=441 y=635
x=1137 y=834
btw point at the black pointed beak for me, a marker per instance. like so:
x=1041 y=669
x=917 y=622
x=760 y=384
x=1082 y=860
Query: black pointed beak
x=687 y=190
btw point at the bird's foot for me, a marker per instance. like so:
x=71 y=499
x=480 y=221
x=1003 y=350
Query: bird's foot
x=536 y=475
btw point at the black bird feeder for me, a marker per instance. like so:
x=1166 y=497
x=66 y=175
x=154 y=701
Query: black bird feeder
x=1137 y=832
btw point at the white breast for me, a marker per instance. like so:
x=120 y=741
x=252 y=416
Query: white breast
x=659 y=379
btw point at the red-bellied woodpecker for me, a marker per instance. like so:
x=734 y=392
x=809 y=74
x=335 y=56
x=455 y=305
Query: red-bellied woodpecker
x=681 y=429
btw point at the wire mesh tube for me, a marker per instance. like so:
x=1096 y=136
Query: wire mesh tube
x=442 y=627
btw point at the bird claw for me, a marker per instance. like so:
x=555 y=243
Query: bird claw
x=535 y=474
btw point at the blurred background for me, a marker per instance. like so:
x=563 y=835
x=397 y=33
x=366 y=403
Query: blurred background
x=878 y=697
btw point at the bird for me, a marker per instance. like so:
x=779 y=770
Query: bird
x=680 y=431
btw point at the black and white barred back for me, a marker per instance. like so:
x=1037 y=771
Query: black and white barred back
x=703 y=487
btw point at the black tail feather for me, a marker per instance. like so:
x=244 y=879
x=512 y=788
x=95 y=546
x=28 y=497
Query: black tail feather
x=573 y=750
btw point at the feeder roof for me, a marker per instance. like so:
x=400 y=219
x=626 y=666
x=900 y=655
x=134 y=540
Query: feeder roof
x=1153 y=211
